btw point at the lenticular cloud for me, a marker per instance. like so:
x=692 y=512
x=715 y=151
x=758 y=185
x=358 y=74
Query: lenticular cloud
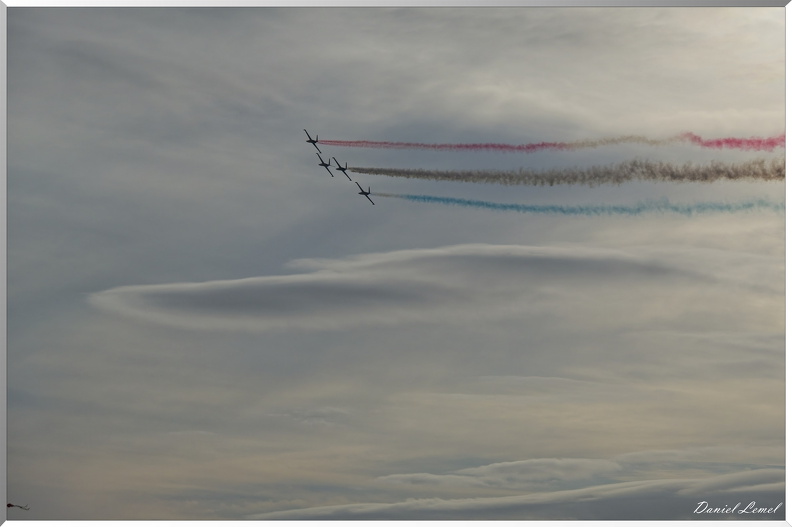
x=405 y=286
x=737 y=143
x=758 y=169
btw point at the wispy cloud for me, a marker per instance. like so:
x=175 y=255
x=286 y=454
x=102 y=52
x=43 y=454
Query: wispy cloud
x=533 y=473
x=637 y=500
x=552 y=474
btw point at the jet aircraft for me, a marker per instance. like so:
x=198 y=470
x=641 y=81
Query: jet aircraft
x=342 y=168
x=325 y=165
x=363 y=192
x=311 y=140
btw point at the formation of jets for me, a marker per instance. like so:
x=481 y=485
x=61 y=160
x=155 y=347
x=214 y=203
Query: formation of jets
x=326 y=165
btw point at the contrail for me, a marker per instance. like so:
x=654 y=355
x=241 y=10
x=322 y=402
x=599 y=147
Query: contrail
x=757 y=169
x=739 y=143
x=660 y=206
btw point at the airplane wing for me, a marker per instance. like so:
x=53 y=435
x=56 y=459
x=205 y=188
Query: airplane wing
x=328 y=171
x=368 y=198
x=306 y=133
x=361 y=188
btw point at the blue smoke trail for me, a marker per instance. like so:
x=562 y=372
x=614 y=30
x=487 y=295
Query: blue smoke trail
x=658 y=206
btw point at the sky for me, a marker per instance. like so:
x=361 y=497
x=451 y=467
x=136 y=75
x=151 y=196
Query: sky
x=204 y=325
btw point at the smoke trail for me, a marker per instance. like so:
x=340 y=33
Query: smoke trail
x=758 y=169
x=752 y=143
x=660 y=206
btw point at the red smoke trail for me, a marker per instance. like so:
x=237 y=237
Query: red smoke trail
x=531 y=147
x=752 y=143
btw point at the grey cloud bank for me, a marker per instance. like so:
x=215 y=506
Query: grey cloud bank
x=204 y=325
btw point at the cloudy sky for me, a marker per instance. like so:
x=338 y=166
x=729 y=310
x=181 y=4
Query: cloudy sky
x=203 y=324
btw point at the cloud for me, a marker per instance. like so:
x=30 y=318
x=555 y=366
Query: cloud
x=638 y=500
x=477 y=280
x=540 y=470
x=553 y=474
x=323 y=416
x=536 y=473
